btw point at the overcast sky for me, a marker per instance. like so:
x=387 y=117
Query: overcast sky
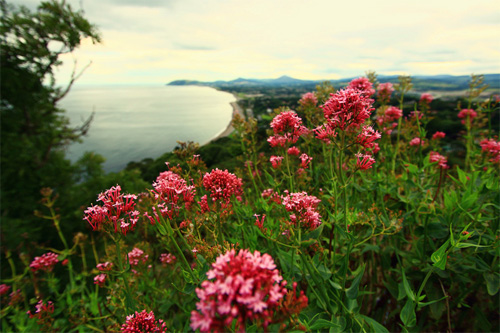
x=157 y=41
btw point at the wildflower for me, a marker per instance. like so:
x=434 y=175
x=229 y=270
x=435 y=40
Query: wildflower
x=100 y=279
x=244 y=286
x=276 y=161
x=347 y=108
x=136 y=256
x=4 y=289
x=143 y=322
x=440 y=159
x=325 y=133
x=416 y=142
x=467 y=115
x=305 y=160
x=274 y=197
x=491 y=148
x=287 y=128
x=204 y=204
x=363 y=85
x=118 y=210
x=45 y=263
x=105 y=266
x=392 y=113
x=259 y=223
x=16 y=297
x=364 y=162
x=384 y=92
x=308 y=99
x=43 y=311
x=171 y=189
x=222 y=185
x=167 y=258
x=438 y=135
x=367 y=137
x=303 y=208
x=426 y=99
x=293 y=151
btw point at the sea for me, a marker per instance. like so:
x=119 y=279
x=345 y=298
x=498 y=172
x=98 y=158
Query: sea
x=132 y=123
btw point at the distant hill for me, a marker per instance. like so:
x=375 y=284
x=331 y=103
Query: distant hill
x=420 y=83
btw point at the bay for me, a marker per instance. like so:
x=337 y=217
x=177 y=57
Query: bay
x=136 y=122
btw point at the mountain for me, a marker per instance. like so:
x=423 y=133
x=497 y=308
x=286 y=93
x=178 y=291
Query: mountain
x=420 y=83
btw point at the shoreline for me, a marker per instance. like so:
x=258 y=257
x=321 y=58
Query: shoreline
x=229 y=128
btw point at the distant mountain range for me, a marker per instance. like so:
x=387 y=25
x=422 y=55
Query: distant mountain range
x=421 y=83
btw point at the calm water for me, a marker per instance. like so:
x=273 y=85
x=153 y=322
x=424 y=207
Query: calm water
x=133 y=123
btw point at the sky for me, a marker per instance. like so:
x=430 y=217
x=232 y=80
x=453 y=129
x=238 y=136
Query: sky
x=158 y=41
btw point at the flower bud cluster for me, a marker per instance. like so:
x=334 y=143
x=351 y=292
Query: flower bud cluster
x=45 y=263
x=143 y=322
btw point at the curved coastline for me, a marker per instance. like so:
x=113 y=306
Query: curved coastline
x=229 y=129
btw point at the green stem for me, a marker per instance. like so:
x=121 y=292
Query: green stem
x=123 y=275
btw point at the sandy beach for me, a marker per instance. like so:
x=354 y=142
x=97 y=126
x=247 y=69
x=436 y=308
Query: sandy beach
x=229 y=129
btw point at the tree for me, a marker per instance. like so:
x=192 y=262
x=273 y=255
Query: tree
x=34 y=130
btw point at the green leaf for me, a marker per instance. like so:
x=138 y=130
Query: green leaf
x=409 y=292
x=462 y=176
x=439 y=257
x=323 y=323
x=375 y=325
x=407 y=315
x=412 y=168
x=492 y=282
x=352 y=292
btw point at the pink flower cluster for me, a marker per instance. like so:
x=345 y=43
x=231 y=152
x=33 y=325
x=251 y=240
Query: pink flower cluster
x=287 y=127
x=293 y=151
x=363 y=85
x=364 y=162
x=42 y=310
x=136 y=256
x=143 y=322
x=276 y=161
x=426 y=99
x=100 y=279
x=438 y=135
x=492 y=149
x=415 y=142
x=244 y=287
x=118 y=210
x=45 y=263
x=170 y=188
x=104 y=267
x=222 y=185
x=303 y=208
x=384 y=92
x=305 y=160
x=467 y=115
x=440 y=159
x=167 y=258
x=367 y=137
x=4 y=289
x=308 y=100
x=346 y=109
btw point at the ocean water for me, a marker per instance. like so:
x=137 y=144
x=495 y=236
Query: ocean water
x=136 y=122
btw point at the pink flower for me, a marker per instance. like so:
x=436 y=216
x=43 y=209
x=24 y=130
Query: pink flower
x=105 y=266
x=467 y=115
x=4 y=289
x=438 y=135
x=426 y=98
x=167 y=258
x=118 y=211
x=276 y=161
x=136 y=256
x=416 y=142
x=384 y=92
x=100 y=279
x=293 y=151
x=347 y=108
x=392 y=114
x=364 y=162
x=42 y=310
x=222 y=185
x=244 y=287
x=367 y=137
x=45 y=263
x=492 y=149
x=440 y=159
x=308 y=100
x=171 y=189
x=303 y=208
x=143 y=322
x=287 y=127
x=363 y=85
x=325 y=133
x=305 y=160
